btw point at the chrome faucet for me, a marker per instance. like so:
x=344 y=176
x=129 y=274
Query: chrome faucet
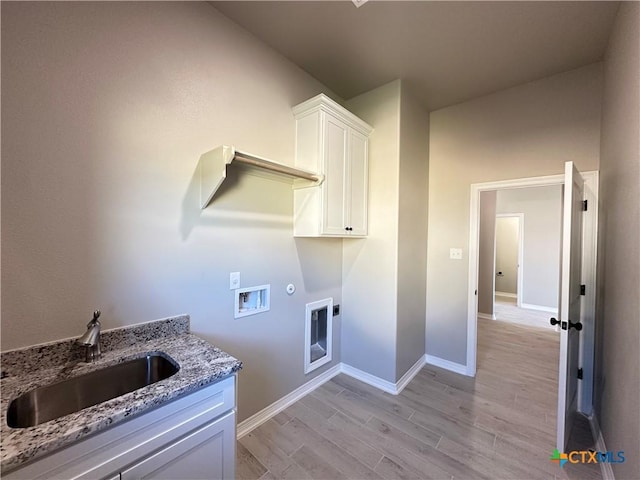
x=91 y=339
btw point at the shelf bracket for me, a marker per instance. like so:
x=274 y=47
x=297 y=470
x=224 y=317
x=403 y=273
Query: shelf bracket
x=212 y=169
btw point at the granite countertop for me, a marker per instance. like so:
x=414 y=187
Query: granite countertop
x=24 y=369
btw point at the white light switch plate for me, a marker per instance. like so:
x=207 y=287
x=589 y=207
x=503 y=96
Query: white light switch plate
x=455 y=253
x=234 y=280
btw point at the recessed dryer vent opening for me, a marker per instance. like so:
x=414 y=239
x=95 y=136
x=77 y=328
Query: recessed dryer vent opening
x=318 y=338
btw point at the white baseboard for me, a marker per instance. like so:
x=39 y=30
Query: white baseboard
x=605 y=467
x=369 y=379
x=381 y=384
x=254 y=421
x=447 y=365
x=276 y=407
x=486 y=316
x=407 y=377
x=541 y=308
x=505 y=294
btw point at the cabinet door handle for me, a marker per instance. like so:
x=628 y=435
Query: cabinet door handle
x=348 y=229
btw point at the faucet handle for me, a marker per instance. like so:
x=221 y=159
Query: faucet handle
x=94 y=320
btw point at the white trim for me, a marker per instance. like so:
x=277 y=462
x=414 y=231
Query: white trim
x=369 y=379
x=505 y=294
x=541 y=308
x=521 y=182
x=408 y=376
x=605 y=467
x=486 y=316
x=257 y=419
x=448 y=365
x=384 y=385
x=276 y=407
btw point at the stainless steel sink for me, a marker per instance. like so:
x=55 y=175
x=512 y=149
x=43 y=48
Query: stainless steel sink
x=58 y=399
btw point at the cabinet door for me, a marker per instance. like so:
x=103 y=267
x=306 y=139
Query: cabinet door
x=357 y=184
x=335 y=158
x=204 y=454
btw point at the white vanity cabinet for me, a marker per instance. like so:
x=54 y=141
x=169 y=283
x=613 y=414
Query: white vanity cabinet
x=204 y=454
x=192 y=437
x=332 y=141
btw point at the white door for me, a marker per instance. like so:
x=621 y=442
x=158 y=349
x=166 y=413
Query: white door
x=507 y=256
x=570 y=311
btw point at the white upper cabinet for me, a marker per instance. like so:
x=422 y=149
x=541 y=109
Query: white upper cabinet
x=334 y=142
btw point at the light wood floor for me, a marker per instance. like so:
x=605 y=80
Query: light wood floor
x=500 y=425
x=505 y=309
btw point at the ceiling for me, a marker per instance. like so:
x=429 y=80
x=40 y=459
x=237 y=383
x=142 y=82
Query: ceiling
x=446 y=52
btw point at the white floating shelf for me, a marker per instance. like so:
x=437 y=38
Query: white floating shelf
x=213 y=170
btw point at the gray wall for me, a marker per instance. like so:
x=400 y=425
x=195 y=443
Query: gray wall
x=412 y=232
x=369 y=279
x=106 y=108
x=525 y=131
x=486 y=252
x=618 y=328
x=507 y=247
x=542 y=210
x=384 y=276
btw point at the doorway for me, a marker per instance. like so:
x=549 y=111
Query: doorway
x=519 y=254
x=588 y=273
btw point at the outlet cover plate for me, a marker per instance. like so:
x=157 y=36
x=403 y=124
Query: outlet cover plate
x=234 y=280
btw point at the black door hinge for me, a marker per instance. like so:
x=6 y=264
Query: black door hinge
x=584 y=205
x=583 y=290
x=579 y=374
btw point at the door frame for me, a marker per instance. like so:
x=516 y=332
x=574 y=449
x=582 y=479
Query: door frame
x=589 y=259
x=519 y=274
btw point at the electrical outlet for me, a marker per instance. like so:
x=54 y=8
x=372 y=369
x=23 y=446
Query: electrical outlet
x=234 y=280
x=455 y=253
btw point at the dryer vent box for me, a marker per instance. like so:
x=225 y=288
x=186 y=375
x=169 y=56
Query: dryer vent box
x=318 y=334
